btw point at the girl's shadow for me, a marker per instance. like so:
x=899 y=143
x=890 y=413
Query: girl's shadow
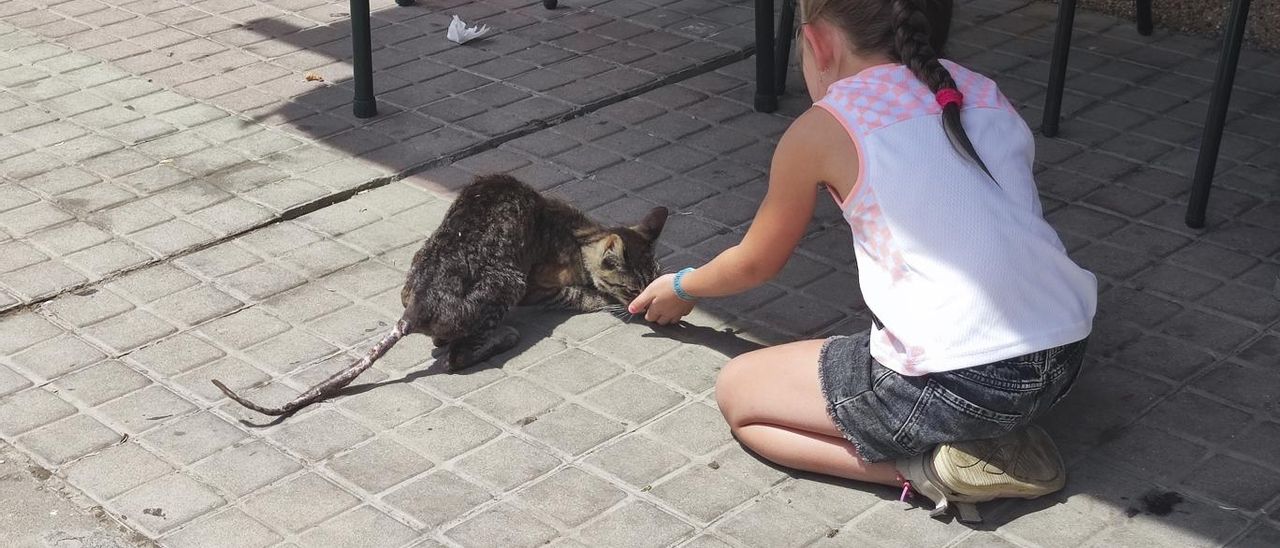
x=725 y=341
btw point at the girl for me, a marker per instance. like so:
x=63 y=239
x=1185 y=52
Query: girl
x=979 y=317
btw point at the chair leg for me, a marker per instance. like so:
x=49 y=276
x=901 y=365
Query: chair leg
x=1216 y=119
x=364 y=105
x=766 y=88
x=786 y=33
x=1058 y=67
x=1143 y=14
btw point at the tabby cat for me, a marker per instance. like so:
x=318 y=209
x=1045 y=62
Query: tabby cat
x=503 y=244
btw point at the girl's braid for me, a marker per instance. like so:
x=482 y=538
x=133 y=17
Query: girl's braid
x=913 y=41
x=913 y=47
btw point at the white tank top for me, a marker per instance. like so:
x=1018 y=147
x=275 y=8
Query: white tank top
x=959 y=270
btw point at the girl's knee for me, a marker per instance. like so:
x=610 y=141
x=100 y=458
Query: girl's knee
x=729 y=388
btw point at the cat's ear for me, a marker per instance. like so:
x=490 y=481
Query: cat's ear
x=613 y=245
x=651 y=226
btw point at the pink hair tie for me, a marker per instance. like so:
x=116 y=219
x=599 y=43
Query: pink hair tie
x=946 y=96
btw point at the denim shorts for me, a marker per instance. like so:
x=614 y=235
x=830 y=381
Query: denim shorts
x=888 y=416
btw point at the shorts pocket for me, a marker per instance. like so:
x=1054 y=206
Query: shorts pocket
x=1067 y=381
x=940 y=416
x=1010 y=375
x=1065 y=366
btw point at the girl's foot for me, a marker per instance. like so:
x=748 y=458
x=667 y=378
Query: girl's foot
x=1020 y=464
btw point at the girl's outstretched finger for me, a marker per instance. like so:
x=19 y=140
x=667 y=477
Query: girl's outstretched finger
x=641 y=303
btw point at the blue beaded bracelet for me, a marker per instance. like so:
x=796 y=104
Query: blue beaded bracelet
x=680 y=290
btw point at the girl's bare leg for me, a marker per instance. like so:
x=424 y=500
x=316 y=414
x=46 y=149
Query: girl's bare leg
x=773 y=403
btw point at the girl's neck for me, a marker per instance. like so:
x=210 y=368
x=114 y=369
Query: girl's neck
x=851 y=64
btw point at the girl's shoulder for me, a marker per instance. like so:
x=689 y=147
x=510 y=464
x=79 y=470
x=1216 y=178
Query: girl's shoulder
x=884 y=95
x=897 y=76
x=816 y=131
x=817 y=148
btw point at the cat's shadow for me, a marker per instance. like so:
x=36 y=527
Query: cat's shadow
x=536 y=326
x=438 y=367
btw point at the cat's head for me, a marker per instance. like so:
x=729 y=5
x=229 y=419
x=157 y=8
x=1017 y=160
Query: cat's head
x=621 y=264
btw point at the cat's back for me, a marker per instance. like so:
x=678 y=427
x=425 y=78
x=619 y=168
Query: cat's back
x=492 y=222
x=494 y=199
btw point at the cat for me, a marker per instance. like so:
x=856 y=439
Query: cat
x=502 y=244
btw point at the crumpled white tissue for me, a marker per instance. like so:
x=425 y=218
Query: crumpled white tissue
x=459 y=32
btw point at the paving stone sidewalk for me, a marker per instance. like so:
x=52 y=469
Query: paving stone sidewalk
x=132 y=131
x=36 y=510
x=599 y=432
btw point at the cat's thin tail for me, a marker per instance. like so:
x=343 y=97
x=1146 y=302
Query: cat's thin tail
x=330 y=385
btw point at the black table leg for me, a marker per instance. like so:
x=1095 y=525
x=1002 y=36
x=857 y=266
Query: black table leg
x=1142 y=12
x=766 y=88
x=364 y=105
x=1058 y=67
x=786 y=33
x=1214 y=121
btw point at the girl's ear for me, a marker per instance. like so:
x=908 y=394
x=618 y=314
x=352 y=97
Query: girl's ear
x=821 y=40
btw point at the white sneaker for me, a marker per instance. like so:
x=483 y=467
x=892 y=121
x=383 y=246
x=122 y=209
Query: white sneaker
x=1021 y=464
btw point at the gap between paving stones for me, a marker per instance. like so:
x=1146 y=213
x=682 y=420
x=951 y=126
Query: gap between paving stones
x=344 y=195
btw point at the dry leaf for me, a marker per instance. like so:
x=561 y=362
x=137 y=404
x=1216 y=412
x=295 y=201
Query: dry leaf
x=313 y=77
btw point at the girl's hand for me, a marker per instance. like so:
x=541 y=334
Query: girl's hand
x=660 y=300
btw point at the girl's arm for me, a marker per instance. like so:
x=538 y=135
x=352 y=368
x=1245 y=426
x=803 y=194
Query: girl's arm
x=779 y=223
x=799 y=165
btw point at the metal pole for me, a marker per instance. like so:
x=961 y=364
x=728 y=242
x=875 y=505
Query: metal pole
x=1211 y=139
x=766 y=89
x=364 y=105
x=1143 y=13
x=786 y=33
x=1058 y=68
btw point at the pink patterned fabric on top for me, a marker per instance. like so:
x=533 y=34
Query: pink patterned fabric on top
x=883 y=95
x=872 y=233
